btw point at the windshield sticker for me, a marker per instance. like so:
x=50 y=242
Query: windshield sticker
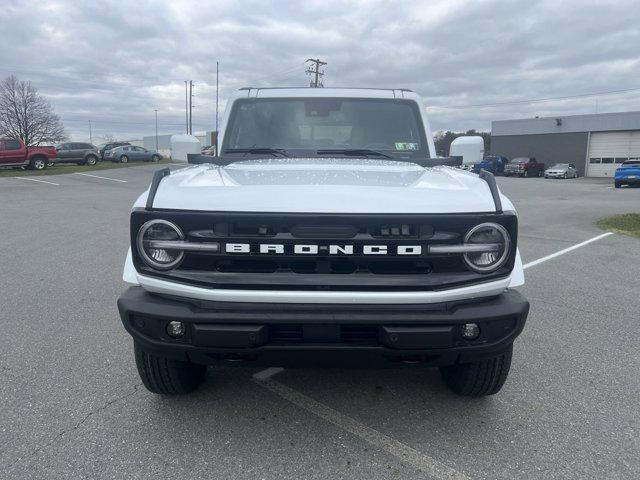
x=406 y=146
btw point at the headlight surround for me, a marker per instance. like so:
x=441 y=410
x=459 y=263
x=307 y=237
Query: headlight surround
x=159 y=258
x=487 y=262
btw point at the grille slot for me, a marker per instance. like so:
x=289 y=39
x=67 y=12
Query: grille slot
x=286 y=333
x=360 y=334
x=351 y=334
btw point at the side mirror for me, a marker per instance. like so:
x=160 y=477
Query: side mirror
x=199 y=159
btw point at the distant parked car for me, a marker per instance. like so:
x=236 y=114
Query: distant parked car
x=105 y=147
x=130 y=153
x=524 y=167
x=76 y=152
x=492 y=163
x=14 y=153
x=628 y=173
x=561 y=170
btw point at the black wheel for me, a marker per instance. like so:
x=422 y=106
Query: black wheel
x=167 y=376
x=565 y=176
x=38 y=163
x=124 y=159
x=91 y=160
x=477 y=379
x=155 y=158
x=618 y=184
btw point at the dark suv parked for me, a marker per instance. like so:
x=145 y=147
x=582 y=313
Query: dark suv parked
x=75 y=152
x=524 y=167
x=108 y=146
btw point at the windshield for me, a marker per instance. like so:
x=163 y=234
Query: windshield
x=520 y=160
x=561 y=165
x=315 y=124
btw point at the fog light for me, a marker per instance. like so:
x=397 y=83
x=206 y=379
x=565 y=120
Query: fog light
x=470 y=331
x=175 y=329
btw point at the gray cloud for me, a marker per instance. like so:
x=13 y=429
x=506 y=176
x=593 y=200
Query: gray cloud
x=115 y=62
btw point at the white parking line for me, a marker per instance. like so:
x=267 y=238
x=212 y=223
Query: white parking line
x=98 y=176
x=267 y=373
x=566 y=250
x=39 y=181
x=404 y=453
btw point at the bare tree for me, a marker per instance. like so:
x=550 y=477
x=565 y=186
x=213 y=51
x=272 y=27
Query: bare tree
x=26 y=114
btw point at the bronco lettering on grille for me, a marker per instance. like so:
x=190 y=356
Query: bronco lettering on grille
x=314 y=249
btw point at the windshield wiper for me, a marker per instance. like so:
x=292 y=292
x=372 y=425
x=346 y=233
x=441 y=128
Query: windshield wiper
x=356 y=152
x=259 y=150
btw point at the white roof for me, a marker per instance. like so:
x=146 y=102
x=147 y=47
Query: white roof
x=468 y=140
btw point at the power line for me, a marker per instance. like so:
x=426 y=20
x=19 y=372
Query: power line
x=275 y=74
x=108 y=122
x=539 y=100
x=314 y=69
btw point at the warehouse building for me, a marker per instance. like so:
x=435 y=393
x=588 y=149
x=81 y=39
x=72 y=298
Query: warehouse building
x=596 y=144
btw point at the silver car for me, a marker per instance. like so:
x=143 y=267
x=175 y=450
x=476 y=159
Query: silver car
x=561 y=170
x=131 y=153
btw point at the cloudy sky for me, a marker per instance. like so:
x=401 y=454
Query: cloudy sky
x=114 y=62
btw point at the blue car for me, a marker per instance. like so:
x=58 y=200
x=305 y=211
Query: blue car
x=492 y=163
x=628 y=173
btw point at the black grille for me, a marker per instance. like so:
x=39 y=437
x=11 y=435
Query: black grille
x=322 y=270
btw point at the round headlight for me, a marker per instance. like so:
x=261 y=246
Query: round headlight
x=490 y=260
x=153 y=233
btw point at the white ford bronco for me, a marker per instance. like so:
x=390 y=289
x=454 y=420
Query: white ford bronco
x=326 y=232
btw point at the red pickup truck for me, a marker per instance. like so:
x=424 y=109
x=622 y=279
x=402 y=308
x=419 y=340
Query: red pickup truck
x=14 y=153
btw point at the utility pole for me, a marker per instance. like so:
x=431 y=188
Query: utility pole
x=217 y=84
x=156 y=129
x=90 y=135
x=314 y=69
x=186 y=110
x=190 y=107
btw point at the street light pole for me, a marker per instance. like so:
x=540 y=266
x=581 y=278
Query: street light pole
x=156 y=129
x=186 y=110
x=217 y=107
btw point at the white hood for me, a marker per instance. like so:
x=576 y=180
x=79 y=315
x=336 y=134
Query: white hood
x=324 y=185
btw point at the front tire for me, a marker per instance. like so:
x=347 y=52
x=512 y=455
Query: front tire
x=91 y=160
x=618 y=184
x=478 y=379
x=155 y=158
x=124 y=159
x=166 y=376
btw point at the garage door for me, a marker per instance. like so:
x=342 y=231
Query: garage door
x=608 y=150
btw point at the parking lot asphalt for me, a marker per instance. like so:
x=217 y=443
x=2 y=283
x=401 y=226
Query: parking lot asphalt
x=73 y=406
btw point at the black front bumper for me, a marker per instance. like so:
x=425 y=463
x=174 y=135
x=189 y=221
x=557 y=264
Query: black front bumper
x=323 y=334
